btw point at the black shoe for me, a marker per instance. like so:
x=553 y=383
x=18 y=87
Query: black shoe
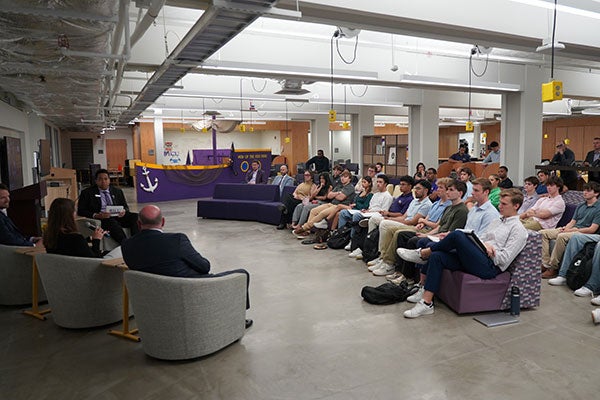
x=249 y=323
x=280 y=226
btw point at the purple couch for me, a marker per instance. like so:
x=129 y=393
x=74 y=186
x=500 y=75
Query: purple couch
x=465 y=293
x=244 y=202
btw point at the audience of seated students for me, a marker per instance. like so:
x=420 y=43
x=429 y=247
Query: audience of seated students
x=547 y=211
x=462 y=155
x=256 y=175
x=421 y=172
x=318 y=163
x=318 y=196
x=361 y=203
x=61 y=235
x=437 y=218
x=371 y=174
x=336 y=177
x=495 y=191
x=505 y=182
x=592 y=286
x=379 y=169
x=302 y=193
x=399 y=204
x=504 y=239
x=418 y=208
x=494 y=154
x=466 y=175
x=541 y=187
x=431 y=176
x=9 y=233
x=341 y=194
x=531 y=195
x=283 y=179
x=585 y=220
x=170 y=254
x=93 y=203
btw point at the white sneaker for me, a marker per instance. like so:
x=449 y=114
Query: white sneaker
x=413 y=256
x=596 y=301
x=375 y=266
x=384 y=269
x=399 y=280
x=395 y=275
x=583 y=292
x=415 y=298
x=596 y=316
x=323 y=224
x=419 y=309
x=348 y=247
x=375 y=261
x=558 y=281
x=356 y=253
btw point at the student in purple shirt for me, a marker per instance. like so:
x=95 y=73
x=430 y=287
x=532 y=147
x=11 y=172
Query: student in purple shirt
x=399 y=205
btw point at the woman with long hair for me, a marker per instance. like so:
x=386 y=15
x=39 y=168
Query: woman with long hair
x=421 y=172
x=61 y=235
x=318 y=195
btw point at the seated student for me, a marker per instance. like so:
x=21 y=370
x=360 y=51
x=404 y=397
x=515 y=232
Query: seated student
x=421 y=172
x=461 y=155
x=592 y=286
x=283 y=179
x=466 y=175
x=255 y=175
x=448 y=189
x=290 y=201
x=503 y=239
x=9 y=233
x=531 y=196
x=432 y=178
x=371 y=174
x=505 y=182
x=336 y=177
x=585 y=220
x=379 y=169
x=494 y=154
x=61 y=235
x=541 y=187
x=399 y=204
x=417 y=209
x=343 y=194
x=361 y=202
x=495 y=191
x=547 y=211
x=318 y=196
x=318 y=163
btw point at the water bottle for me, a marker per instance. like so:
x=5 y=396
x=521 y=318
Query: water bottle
x=515 y=301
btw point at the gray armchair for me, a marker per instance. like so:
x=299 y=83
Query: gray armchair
x=183 y=318
x=15 y=277
x=81 y=292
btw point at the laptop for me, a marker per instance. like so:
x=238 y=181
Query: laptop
x=496 y=319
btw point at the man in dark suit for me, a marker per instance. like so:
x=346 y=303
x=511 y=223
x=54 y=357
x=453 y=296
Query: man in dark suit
x=9 y=233
x=565 y=156
x=169 y=254
x=256 y=175
x=592 y=159
x=94 y=200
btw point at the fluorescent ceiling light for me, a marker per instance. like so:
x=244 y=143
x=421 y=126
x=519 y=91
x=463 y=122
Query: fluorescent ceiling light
x=450 y=83
x=356 y=104
x=559 y=7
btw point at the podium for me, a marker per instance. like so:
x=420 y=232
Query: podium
x=60 y=182
x=25 y=208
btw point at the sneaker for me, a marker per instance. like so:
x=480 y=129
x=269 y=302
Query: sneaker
x=596 y=316
x=419 y=309
x=399 y=280
x=415 y=298
x=356 y=253
x=301 y=235
x=348 y=247
x=596 y=301
x=321 y=224
x=364 y=223
x=384 y=269
x=409 y=255
x=558 y=281
x=583 y=292
x=375 y=261
x=375 y=266
x=393 y=276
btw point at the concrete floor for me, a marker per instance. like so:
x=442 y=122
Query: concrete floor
x=313 y=338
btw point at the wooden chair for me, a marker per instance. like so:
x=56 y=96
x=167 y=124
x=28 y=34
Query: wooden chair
x=490 y=169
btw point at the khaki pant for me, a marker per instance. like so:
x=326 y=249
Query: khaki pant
x=318 y=214
x=532 y=224
x=553 y=260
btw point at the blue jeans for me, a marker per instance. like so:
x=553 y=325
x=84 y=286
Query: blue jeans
x=576 y=243
x=345 y=216
x=456 y=252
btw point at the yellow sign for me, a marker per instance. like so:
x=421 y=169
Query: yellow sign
x=469 y=126
x=332 y=115
x=552 y=91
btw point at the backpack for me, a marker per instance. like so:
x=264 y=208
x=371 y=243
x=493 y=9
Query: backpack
x=388 y=293
x=359 y=237
x=580 y=269
x=340 y=237
x=370 y=247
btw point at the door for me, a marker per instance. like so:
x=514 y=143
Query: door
x=116 y=154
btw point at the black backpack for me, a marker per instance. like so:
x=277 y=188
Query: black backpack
x=359 y=237
x=370 y=247
x=580 y=269
x=388 y=293
x=341 y=237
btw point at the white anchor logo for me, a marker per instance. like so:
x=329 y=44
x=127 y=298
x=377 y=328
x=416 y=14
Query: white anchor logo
x=151 y=187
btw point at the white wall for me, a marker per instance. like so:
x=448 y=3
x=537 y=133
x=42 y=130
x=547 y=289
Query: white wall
x=193 y=140
x=341 y=141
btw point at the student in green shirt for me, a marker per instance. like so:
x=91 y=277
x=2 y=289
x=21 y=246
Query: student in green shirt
x=494 y=196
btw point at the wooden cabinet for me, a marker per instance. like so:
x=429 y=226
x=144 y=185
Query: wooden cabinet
x=391 y=150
